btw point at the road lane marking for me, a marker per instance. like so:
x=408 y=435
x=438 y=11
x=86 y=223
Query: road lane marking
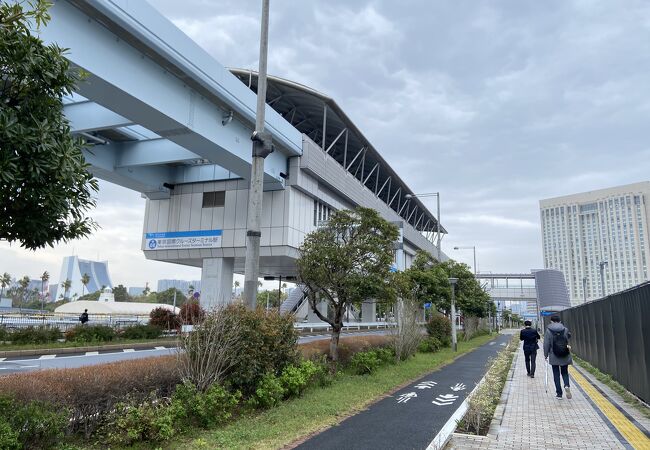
x=47 y=357
x=128 y=350
x=426 y=385
x=161 y=348
x=630 y=432
x=403 y=398
x=2 y=359
x=92 y=353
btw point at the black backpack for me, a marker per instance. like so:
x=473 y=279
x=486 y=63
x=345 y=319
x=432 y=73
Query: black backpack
x=560 y=343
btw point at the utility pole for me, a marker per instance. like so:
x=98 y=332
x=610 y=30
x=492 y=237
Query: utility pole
x=262 y=147
x=602 y=265
x=454 y=341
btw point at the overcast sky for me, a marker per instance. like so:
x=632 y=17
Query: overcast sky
x=494 y=105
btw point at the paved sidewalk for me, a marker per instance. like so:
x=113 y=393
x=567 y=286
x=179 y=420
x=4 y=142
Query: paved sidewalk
x=535 y=417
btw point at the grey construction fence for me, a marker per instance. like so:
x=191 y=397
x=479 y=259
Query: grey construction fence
x=613 y=334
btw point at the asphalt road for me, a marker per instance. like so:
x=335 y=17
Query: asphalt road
x=413 y=416
x=34 y=363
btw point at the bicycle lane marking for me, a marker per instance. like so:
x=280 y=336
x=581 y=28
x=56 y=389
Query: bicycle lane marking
x=413 y=415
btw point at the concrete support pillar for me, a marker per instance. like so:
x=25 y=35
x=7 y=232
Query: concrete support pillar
x=369 y=310
x=216 y=282
x=322 y=307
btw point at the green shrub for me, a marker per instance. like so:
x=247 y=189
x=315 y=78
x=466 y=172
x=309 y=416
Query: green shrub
x=90 y=333
x=35 y=335
x=269 y=393
x=141 y=332
x=386 y=355
x=4 y=336
x=363 y=363
x=439 y=327
x=151 y=421
x=267 y=345
x=295 y=379
x=206 y=409
x=429 y=345
x=325 y=373
x=31 y=425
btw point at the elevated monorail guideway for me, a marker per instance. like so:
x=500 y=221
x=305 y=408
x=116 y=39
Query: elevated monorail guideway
x=160 y=110
x=166 y=119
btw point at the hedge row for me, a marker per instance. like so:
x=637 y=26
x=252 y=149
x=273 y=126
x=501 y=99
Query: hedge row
x=80 y=333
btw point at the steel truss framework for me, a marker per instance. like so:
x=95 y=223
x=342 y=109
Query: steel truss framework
x=323 y=121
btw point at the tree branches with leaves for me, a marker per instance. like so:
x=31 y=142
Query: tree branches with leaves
x=345 y=262
x=45 y=187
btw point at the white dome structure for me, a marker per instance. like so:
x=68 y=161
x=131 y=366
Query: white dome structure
x=114 y=308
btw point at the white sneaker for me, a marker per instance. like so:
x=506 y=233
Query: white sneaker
x=558 y=397
x=567 y=391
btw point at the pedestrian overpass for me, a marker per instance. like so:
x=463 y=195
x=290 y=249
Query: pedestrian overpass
x=164 y=118
x=527 y=294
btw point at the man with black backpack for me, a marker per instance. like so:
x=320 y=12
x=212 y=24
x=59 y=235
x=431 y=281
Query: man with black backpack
x=558 y=353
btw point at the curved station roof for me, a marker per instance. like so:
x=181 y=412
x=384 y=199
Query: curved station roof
x=321 y=119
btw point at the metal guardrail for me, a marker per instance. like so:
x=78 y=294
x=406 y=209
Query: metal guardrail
x=66 y=321
x=347 y=326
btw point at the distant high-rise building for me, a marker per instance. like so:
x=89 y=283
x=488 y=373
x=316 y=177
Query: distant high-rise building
x=608 y=228
x=181 y=285
x=74 y=268
x=136 y=291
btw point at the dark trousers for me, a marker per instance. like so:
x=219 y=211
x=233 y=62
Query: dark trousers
x=530 y=356
x=556 y=377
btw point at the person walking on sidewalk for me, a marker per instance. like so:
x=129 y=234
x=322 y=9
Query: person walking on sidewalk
x=530 y=338
x=558 y=353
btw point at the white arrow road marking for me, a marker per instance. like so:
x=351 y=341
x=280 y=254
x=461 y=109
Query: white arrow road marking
x=458 y=387
x=492 y=343
x=2 y=359
x=503 y=344
x=426 y=385
x=445 y=399
x=47 y=357
x=128 y=350
x=92 y=353
x=161 y=348
x=406 y=397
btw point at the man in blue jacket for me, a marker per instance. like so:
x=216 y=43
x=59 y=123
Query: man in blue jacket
x=530 y=338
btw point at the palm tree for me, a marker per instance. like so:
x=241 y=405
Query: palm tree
x=85 y=279
x=5 y=281
x=67 y=284
x=23 y=283
x=44 y=279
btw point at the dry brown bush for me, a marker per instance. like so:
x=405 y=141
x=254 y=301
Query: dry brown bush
x=349 y=345
x=92 y=391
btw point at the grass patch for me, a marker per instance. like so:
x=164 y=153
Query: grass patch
x=614 y=385
x=321 y=407
x=69 y=344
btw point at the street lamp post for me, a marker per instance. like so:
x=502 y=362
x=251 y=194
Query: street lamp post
x=473 y=248
x=454 y=342
x=262 y=147
x=438 y=232
x=602 y=265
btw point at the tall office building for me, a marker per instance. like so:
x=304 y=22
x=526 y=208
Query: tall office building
x=581 y=231
x=181 y=285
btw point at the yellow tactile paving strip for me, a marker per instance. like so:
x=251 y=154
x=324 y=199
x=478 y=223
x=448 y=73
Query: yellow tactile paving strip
x=630 y=432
